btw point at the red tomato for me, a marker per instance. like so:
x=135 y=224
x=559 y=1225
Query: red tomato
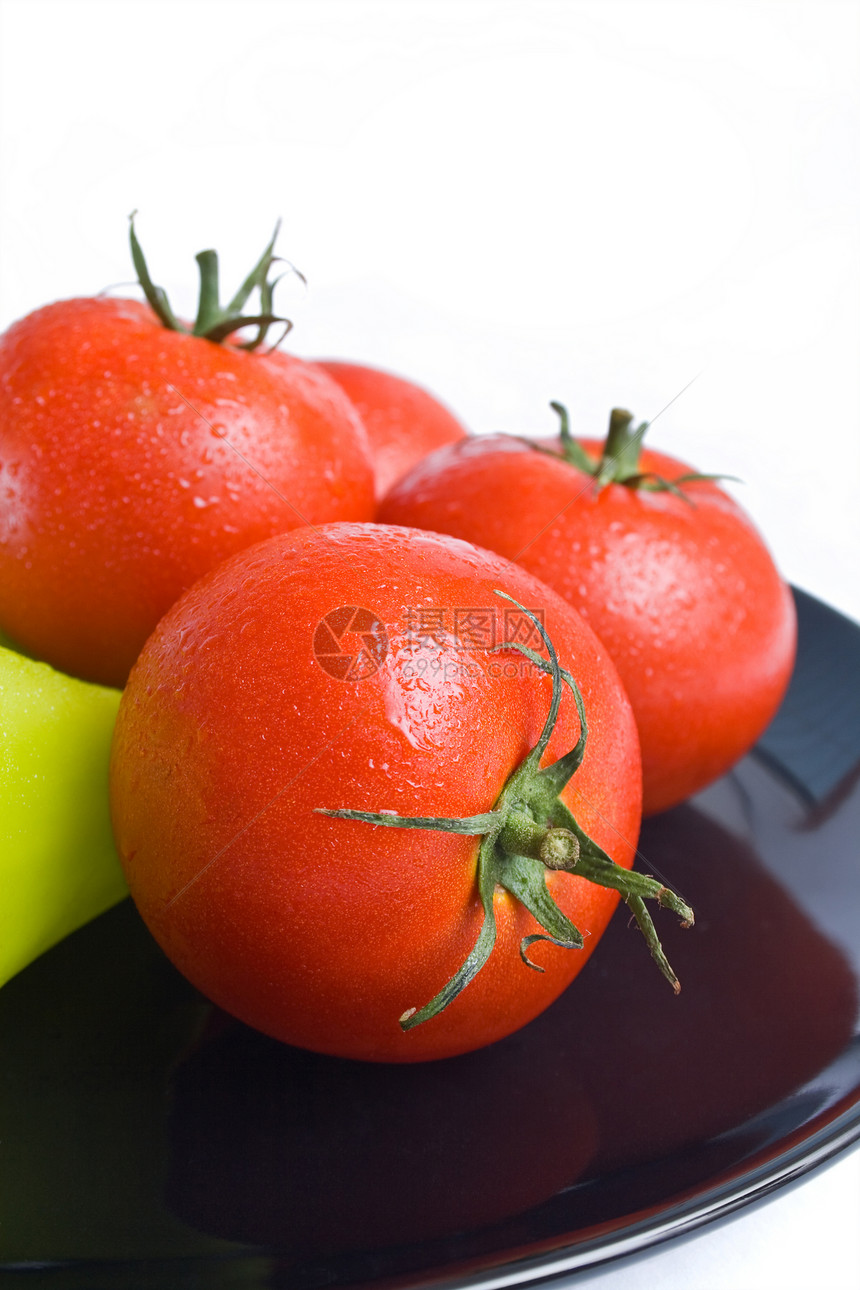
x=680 y=588
x=325 y=670
x=404 y=423
x=133 y=458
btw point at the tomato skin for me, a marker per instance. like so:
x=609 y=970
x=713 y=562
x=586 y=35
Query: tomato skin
x=403 y=421
x=133 y=459
x=322 y=931
x=683 y=593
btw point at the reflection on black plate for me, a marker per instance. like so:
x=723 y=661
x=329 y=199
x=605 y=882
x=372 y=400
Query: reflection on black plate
x=149 y=1139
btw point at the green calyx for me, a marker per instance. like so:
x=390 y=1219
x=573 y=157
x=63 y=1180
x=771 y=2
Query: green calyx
x=619 y=461
x=216 y=322
x=528 y=832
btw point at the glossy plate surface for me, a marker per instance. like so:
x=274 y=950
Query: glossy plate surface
x=149 y=1140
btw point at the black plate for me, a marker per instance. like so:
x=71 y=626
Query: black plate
x=147 y=1139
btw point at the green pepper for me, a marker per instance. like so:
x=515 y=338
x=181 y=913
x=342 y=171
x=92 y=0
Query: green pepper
x=58 y=865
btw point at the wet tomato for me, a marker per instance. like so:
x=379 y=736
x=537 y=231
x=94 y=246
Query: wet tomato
x=355 y=822
x=403 y=421
x=135 y=455
x=664 y=565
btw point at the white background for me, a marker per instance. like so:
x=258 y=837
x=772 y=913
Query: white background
x=509 y=202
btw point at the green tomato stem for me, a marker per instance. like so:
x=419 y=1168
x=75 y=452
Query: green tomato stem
x=528 y=832
x=619 y=461
x=208 y=308
x=213 y=322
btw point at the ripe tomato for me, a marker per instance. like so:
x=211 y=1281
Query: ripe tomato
x=242 y=722
x=675 y=581
x=134 y=457
x=404 y=423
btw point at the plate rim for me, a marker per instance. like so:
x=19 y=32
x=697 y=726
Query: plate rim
x=737 y=1191
x=832 y=1133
